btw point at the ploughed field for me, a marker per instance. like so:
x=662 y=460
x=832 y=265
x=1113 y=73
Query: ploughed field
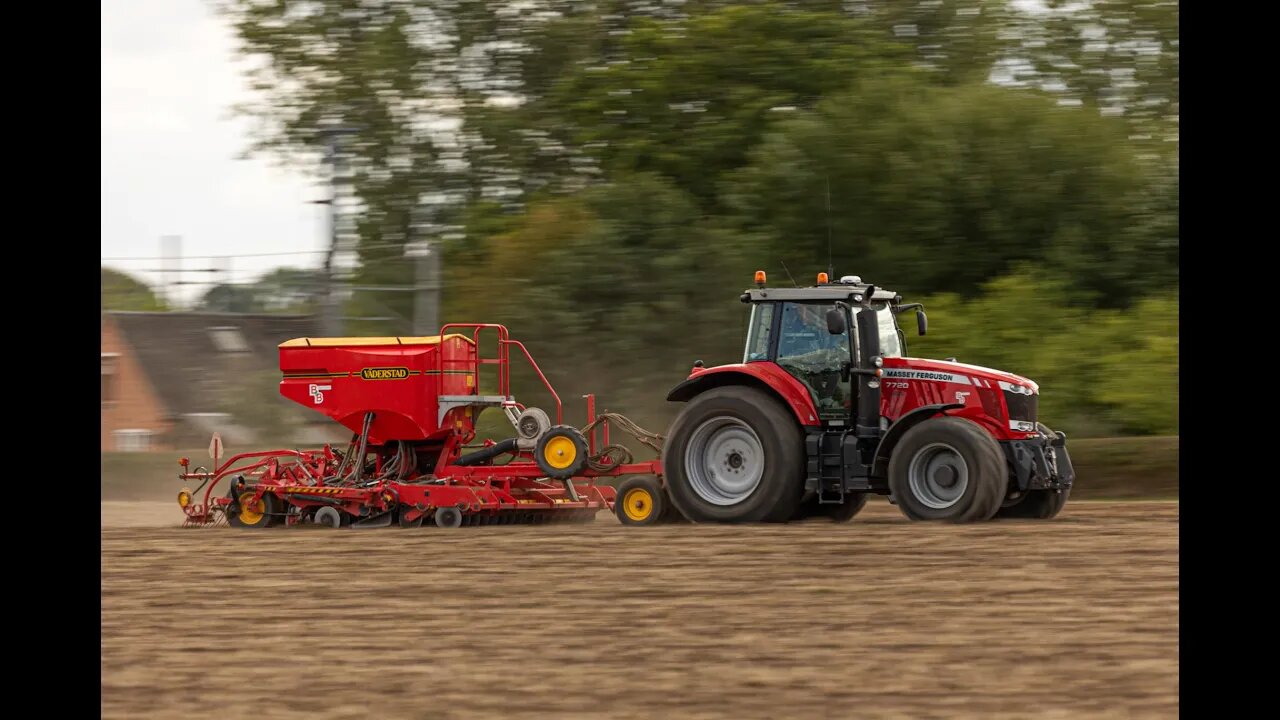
x=880 y=617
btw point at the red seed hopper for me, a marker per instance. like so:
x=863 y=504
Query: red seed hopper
x=411 y=404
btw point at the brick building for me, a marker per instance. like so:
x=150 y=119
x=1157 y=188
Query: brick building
x=170 y=379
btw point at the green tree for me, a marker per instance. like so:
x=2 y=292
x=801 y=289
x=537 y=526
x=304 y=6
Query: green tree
x=121 y=291
x=940 y=188
x=1117 y=57
x=225 y=298
x=621 y=286
x=1101 y=372
x=283 y=290
x=688 y=99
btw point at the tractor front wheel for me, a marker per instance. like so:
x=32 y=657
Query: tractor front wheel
x=948 y=468
x=735 y=454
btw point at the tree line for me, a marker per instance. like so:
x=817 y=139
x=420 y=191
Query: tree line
x=605 y=176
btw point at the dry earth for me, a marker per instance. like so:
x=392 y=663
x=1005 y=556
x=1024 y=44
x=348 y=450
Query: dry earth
x=878 y=618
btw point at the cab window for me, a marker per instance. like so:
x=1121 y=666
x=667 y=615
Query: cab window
x=813 y=355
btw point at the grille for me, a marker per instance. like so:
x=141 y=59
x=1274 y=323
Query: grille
x=1022 y=407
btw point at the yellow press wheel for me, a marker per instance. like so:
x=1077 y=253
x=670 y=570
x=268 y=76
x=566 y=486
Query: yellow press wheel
x=641 y=501
x=246 y=511
x=561 y=452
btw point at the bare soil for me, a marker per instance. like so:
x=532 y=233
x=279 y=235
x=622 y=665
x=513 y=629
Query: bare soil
x=878 y=618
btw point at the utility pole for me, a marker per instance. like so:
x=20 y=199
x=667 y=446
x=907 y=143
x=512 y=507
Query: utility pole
x=426 y=286
x=171 y=268
x=330 y=318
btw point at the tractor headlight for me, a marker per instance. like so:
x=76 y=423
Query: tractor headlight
x=877 y=361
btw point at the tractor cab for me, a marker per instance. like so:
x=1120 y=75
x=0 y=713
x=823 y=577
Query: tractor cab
x=826 y=390
x=807 y=333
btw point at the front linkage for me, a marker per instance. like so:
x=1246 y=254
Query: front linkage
x=1041 y=462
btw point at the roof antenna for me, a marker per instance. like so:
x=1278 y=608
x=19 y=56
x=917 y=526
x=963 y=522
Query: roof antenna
x=793 y=280
x=831 y=267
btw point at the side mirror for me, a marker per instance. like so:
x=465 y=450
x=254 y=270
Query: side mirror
x=835 y=321
x=922 y=321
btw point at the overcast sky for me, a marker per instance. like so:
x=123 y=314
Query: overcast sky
x=169 y=77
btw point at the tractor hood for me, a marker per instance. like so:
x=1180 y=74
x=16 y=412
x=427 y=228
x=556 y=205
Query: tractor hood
x=990 y=375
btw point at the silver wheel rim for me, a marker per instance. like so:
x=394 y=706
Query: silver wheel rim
x=724 y=461
x=938 y=476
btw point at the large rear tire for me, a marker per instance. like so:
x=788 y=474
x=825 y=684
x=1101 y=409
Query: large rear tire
x=1035 y=505
x=735 y=454
x=948 y=468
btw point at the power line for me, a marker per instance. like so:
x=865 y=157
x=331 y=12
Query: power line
x=385 y=246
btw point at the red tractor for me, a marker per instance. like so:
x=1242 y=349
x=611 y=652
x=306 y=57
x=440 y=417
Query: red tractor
x=826 y=409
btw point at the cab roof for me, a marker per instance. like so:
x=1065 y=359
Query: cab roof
x=854 y=293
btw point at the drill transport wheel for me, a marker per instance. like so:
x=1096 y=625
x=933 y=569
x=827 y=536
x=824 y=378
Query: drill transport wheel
x=641 y=501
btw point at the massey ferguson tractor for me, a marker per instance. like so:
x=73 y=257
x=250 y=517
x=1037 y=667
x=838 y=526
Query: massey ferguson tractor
x=824 y=410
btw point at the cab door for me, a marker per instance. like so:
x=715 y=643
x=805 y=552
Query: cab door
x=811 y=354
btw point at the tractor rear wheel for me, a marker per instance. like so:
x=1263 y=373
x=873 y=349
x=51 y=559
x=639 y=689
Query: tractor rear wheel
x=672 y=515
x=948 y=468
x=735 y=454
x=1035 y=505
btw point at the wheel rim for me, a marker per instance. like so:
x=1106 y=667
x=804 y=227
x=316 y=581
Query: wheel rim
x=637 y=504
x=328 y=517
x=560 y=452
x=251 y=510
x=725 y=461
x=938 y=476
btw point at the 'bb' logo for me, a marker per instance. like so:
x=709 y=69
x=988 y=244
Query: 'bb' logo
x=317 y=392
